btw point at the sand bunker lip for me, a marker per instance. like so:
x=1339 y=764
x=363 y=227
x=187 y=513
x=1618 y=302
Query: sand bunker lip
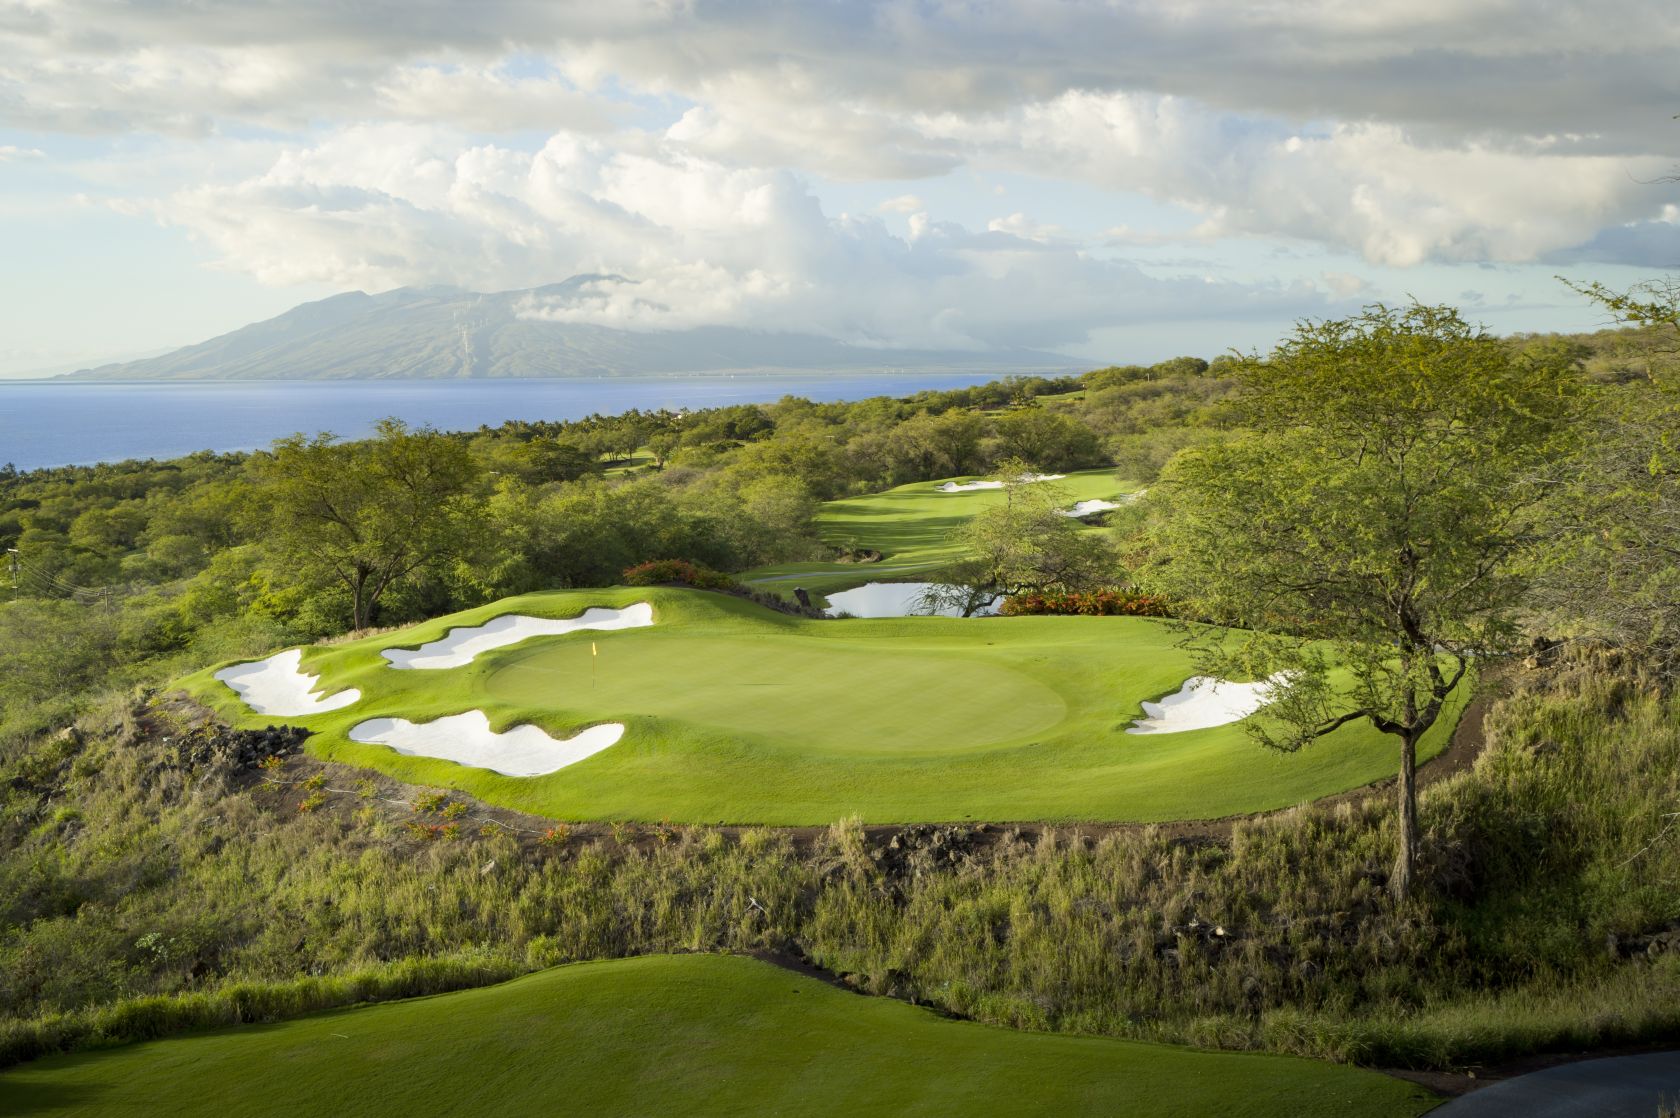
x=1202 y=703
x=467 y=739
x=971 y=486
x=279 y=686
x=1089 y=508
x=458 y=647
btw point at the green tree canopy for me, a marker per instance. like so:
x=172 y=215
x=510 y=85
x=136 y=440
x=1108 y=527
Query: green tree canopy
x=1021 y=546
x=1384 y=503
x=367 y=514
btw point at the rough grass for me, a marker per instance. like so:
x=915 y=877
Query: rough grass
x=693 y=1035
x=737 y=714
x=1547 y=919
x=911 y=527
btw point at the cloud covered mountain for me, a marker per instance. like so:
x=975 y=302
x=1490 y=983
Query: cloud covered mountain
x=437 y=332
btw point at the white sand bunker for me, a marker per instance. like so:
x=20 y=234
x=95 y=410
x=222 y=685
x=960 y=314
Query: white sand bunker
x=1204 y=702
x=278 y=686
x=971 y=486
x=1089 y=508
x=469 y=740
x=459 y=646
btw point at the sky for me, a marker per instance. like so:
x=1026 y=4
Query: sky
x=1118 y=181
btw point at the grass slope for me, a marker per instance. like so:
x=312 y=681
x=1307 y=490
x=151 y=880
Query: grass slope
x=741 y=715
x=689 y=1035
x=910 y=526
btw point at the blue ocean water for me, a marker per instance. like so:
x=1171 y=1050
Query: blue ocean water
x=55 y=423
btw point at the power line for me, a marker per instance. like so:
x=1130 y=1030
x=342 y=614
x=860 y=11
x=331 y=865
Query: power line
x=45 y=580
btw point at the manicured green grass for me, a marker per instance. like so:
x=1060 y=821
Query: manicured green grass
x=910 y=526
x=678 y=1035
x=738 y=714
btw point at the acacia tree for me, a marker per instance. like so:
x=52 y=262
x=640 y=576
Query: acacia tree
x=1023 y=545
x=367 y=514
x=1618 y=574
x=1372 y=527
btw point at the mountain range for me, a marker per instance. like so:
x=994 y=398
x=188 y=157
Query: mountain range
x=437 y=332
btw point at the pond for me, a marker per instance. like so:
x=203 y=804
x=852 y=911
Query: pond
x=894 y=599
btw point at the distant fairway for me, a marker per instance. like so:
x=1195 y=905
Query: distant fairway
x=678 y=1035
x=737 y=714
x=910 y=526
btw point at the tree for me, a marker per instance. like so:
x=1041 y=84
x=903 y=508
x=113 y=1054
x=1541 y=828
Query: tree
x=1377 y=519
x=1021 y=546
x=1618 y=575
x=1048 y=440
x=367 y=514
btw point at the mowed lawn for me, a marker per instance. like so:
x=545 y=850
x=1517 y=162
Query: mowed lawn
x=737 y=714
x=911 y=527
x=678 y=1035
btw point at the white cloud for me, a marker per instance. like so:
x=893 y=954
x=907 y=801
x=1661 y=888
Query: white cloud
x=1026 y=228
x=1372 y=188
x=902 y=204
x=696 y=242
x=1401 y=131
x=9 y=152
x=1346 y=285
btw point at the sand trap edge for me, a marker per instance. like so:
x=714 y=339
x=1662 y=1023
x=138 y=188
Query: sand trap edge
x=279 y=686
x=467 y=739
x=1203 y=703
x=462 y=644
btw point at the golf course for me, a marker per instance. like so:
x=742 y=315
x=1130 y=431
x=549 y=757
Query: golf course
x=689 y=1034
x=910 y=526
x=734 y=713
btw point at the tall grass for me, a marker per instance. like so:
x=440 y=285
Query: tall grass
x=138 y=896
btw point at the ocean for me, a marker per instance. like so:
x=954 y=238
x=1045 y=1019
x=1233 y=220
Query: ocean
x=57 y=423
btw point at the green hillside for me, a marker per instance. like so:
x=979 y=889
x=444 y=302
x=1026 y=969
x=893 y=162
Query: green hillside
x=684 y=1035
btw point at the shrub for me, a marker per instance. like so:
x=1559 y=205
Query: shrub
x=1095 y=603
x=661 y=571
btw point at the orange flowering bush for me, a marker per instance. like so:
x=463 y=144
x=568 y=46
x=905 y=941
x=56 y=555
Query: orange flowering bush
x=660 y=571
x=1095 y=603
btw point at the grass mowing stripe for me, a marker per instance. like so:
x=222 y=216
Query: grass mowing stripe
x=910 y=526
x=691 y=1035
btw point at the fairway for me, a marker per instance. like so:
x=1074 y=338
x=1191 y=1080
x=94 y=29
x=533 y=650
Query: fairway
x=736 y=714
x=678 y=1035
x=910 y=526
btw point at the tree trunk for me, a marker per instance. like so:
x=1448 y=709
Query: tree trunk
x=1406 y=857
x=358 y=602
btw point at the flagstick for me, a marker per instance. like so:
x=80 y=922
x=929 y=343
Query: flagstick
x=594 y=654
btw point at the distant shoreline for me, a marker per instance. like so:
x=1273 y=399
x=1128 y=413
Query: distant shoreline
x=58 y=421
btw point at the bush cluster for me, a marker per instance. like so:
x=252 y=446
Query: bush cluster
x=1094 y=603
x=663 y=572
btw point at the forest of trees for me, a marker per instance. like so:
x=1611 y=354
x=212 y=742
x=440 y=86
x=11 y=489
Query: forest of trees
x=125 y=568
x=1409 y=522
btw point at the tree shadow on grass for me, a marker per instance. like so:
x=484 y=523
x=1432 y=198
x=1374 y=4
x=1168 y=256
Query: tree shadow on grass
x=23 y=1095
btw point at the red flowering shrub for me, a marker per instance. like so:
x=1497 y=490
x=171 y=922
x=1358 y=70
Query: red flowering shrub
x=1096 y=603
x=661 y=571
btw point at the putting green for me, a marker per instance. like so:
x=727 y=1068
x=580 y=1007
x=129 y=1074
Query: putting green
x=867 y=699
x=680 y=1035
x=737 y=714
x=911 y=527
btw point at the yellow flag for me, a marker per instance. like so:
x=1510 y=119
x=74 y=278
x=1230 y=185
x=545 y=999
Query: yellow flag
x=593 y=651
